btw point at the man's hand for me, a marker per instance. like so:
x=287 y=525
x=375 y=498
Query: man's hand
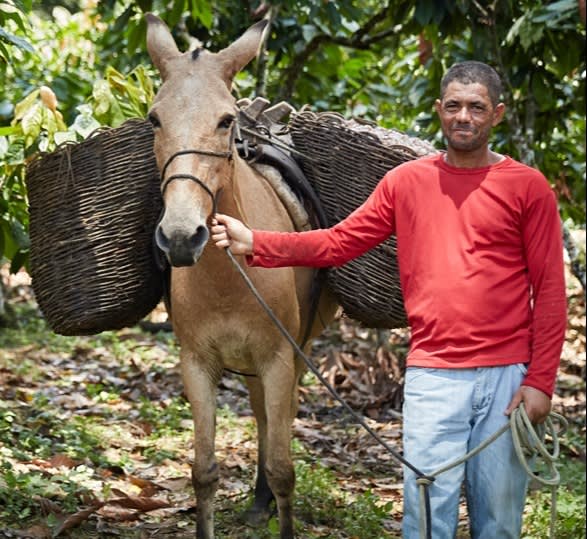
x=536 y=402
x=230 y=232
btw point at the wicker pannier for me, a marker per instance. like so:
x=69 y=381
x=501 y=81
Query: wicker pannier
x=344 y=161
x=93 y=209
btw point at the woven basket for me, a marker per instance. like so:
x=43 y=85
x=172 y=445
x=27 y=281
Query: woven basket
x=344 y=162
x=93 y=209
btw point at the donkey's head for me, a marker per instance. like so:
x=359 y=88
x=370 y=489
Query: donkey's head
x=193 y=116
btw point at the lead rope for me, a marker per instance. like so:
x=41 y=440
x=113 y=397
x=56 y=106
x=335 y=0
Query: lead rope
x=528 y=440
x=331 y=390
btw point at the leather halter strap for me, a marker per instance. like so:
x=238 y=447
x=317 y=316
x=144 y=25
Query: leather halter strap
x=166 y=181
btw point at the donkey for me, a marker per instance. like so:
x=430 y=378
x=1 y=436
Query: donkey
x=218 y=323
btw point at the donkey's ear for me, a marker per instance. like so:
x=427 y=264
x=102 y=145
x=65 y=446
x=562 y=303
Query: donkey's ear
x=160 y=44
x=242 y=51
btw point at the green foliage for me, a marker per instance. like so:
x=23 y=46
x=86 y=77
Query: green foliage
x=13 y=11
x=382 y=61
x=317 y=501
x=21 y=492
x=167 y=418
x=38 y=432
x=33 y=428
x=64 y=59
x=36 y=124
x=364 y=515
x=570 y=510
x=117 y=97
x=122 y=44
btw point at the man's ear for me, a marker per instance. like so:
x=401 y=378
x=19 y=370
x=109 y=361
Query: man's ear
x=160 y=44
x=498 y=112
x=437 y=106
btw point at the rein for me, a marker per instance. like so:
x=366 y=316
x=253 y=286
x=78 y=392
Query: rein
x=426 y=479
x=528 y=439
x=229 y=155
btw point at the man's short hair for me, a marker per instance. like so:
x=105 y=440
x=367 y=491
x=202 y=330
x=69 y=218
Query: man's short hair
x=471 y=72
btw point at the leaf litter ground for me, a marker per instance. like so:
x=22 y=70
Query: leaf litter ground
x=102 y=426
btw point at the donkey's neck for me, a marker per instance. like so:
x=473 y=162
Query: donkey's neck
x=232 y=202
x=250 y=198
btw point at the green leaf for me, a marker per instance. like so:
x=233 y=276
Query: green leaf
x=202 y=10
x=64 y=136
x=9 y=247
x=542 y=92
x=21 y=108
x=136 y=34
x=333 y=15
x=19 y=4
x=4 y=55
x=145 y=82
x=32 y=121
x=176 y=12
x=17 y=17
x=514 y=31
x=19 y=260
x=102 y=97
x=145 y=5
x=15 y=40
x=424 y=11
x=122 y=21
x=3 y=226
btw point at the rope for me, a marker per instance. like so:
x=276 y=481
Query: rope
x=529 y=440
x=323 y=380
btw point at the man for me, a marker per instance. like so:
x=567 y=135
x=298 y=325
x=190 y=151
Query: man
x=481 y=270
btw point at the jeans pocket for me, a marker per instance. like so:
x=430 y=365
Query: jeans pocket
x=413 y=373
x=523 y=367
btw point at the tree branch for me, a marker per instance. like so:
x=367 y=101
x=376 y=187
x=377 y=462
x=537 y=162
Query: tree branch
x=357 y=40
x=512 y=117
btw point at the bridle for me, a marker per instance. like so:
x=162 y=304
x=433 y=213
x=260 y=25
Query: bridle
x=166 y=181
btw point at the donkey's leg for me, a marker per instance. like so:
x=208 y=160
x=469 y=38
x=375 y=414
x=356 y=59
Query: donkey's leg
x=259 y=512
x=279 y=382
x=200 y=386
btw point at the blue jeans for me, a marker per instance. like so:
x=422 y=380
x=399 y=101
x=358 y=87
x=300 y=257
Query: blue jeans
x=448 y=412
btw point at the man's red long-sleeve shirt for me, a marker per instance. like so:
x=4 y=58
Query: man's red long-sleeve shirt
x=480 y=260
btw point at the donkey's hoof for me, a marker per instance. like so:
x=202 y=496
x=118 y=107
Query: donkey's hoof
x=257 y=516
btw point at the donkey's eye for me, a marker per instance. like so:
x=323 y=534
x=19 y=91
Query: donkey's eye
x=225 y=122
x=154 y=120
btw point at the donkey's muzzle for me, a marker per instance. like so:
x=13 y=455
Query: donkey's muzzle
x=182 y=249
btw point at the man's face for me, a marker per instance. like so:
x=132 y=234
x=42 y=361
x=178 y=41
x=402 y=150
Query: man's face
x=467 y=115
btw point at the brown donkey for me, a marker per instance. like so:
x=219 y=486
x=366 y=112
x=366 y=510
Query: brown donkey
x=216 y=319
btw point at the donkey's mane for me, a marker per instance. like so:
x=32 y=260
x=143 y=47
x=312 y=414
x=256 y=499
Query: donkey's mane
x=196 y=53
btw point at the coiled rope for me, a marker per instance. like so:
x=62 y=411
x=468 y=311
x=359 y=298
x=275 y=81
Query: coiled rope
x=529 y=440
x=529 y=443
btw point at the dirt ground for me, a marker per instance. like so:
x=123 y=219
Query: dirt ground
x=366 y=367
